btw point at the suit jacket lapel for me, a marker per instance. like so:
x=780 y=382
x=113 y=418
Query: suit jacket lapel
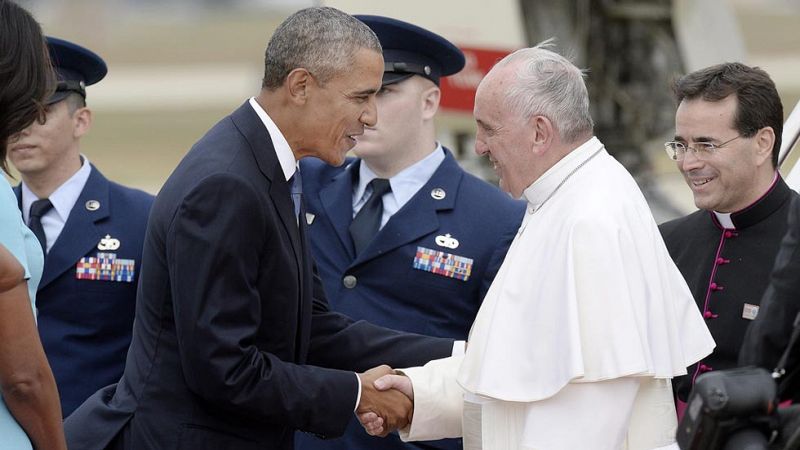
x=337 y=200
x=80 y=233
x=418 y=217
x=252 y=128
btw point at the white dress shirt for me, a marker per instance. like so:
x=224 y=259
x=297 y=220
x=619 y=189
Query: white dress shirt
x=282 y=149
x=404 y=185
x=63 y=200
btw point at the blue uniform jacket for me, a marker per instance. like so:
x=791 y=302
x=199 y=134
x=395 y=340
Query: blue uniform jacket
x=383 y=286
x=85 y=325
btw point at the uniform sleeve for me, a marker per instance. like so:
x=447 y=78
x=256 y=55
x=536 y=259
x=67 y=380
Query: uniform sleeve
x=339 y=342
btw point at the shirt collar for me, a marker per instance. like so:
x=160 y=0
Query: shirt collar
x=538 y=192
x=405 y=183
x=282 y=150
x=64 y=197
x=768 y=203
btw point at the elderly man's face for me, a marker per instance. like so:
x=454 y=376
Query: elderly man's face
x=727 y=179
x=503 y=137
x=342 y=107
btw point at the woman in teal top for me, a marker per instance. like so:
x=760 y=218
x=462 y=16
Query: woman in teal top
x=20 y=241
x=30 y=412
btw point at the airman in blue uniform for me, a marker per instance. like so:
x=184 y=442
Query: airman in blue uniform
x=91 y=230
x=403 y=237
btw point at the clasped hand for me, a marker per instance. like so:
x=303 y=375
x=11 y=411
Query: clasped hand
x=387 y=401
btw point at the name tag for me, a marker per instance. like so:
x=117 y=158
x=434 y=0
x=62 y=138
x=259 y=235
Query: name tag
x=749 y=311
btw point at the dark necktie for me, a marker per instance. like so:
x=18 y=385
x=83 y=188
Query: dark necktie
x=38 y=209
x=367 y=222
x=296 y=189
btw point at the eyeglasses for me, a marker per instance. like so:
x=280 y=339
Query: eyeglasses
x=677 y=150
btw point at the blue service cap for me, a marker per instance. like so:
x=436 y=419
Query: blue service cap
x=411 y=50
x=76 y=67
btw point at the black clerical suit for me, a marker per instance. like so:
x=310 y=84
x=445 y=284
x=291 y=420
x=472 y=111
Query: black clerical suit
x=728 y=270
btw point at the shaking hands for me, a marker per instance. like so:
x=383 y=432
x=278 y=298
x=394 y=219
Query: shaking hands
x=387 y=401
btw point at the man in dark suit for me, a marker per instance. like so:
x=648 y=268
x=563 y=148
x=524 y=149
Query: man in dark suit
x=233 y=344
x=431 y=210
x=727 y=136
x=92 y=232
x=769 y=336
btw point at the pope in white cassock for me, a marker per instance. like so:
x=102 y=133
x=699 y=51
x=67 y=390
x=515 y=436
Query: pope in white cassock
x=588 y=318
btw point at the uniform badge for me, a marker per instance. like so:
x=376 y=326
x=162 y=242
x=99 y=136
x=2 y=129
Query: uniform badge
x=105 y=267
x=438 y=194
x=446 y=241
x=441 y=263
x=108 y=243
x=749 y=312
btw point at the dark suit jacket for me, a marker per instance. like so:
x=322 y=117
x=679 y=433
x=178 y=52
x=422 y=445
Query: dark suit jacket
x=230 y=316
x=388 y=290
x=85 y=325
x=769 y=335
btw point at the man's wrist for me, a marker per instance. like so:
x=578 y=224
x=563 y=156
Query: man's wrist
x=358 y=396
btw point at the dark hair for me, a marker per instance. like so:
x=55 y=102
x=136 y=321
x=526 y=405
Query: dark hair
x=26 y=74
x=758 y=104
x=322 y=40
x=75 y=102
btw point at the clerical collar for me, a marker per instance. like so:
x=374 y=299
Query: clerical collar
x=762 y=208
x=538 y=192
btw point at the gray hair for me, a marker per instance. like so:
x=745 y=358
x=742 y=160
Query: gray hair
x=548 y=84
x=322 y=40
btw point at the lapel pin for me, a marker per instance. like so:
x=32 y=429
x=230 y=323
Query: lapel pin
x=310 y=218
x=447 y=241
x=108 y=243
x=438 y=194
x=92 y=205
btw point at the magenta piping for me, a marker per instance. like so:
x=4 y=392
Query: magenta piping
x=717 y=261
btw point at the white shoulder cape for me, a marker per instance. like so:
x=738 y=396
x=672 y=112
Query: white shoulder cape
x=587 y=291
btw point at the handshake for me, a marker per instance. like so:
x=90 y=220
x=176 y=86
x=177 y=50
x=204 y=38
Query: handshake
x=387 y=401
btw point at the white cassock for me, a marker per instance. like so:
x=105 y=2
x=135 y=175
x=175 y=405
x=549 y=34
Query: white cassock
x=578 y=337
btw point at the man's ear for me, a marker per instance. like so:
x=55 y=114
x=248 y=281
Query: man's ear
x=81 y=122
x=298 y=83
x=765 y=140
x=430 y=102
x=543 y=133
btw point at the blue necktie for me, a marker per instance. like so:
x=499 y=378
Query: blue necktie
x=367 y=222
x=38 y=209
x=296 y=189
